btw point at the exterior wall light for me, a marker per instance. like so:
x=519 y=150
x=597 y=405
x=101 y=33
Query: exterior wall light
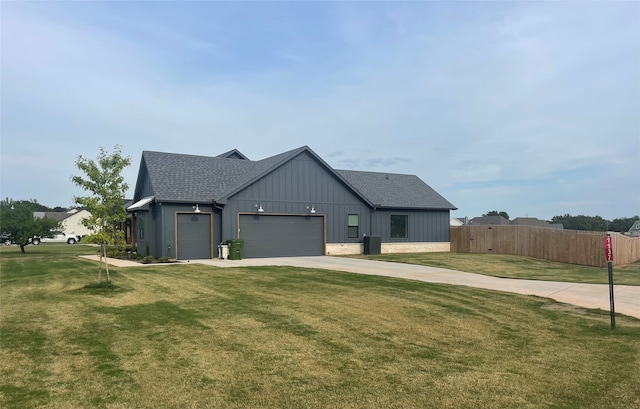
x=196 y=208
x=311 y=209
x=259 y=208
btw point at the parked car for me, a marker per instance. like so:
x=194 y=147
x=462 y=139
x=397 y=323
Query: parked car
x=6 y=239
x=58 y=238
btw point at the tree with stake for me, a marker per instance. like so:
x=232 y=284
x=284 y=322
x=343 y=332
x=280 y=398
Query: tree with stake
x=103 y=179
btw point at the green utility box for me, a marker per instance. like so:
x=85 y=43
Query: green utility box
x=235 y=249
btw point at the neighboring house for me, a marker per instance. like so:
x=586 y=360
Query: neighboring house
x=489 y=220
x=532 y=221
x=71 y=221
x=518 y=221
x=458 y=221
x=291 y=204
x=634 y=231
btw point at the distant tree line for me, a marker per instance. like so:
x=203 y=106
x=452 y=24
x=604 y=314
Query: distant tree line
x=581 y=222
x=595 y=223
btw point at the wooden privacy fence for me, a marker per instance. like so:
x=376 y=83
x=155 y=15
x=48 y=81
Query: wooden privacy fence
x=566 y=246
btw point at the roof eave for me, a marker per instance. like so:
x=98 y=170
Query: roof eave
x=382 y=207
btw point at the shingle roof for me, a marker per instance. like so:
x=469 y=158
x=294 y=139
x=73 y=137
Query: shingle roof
x=179 y=177
x=58 y=216
x=396 y=190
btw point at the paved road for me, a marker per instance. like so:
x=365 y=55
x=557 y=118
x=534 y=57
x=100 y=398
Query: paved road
x=627 y=298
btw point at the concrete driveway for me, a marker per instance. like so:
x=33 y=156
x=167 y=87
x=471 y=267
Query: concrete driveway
x=627 y=298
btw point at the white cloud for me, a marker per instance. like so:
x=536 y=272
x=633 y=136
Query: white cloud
x=519 y=93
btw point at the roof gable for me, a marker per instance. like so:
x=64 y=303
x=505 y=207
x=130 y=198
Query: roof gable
x=233 y=154
x=268 y=165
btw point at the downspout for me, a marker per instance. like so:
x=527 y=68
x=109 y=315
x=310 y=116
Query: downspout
x=221 y=208
x=371 y=221
x=163 y=238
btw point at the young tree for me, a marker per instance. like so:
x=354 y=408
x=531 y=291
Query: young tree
x=103 y=179
x=16 y=220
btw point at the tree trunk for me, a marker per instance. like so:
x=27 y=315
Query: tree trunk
x=22 y=247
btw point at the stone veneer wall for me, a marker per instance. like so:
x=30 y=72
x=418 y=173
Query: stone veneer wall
x=341 y=249
x=415 y=247
x=338 y=249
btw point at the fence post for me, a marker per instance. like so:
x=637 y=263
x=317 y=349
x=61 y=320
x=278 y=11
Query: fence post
x=608 y=251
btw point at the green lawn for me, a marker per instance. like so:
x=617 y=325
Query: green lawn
x=500 y=265
x=192 y=336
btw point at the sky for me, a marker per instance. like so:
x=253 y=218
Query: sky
x=532 y=108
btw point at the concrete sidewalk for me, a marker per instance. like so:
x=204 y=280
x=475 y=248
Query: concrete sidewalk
x=627 y=298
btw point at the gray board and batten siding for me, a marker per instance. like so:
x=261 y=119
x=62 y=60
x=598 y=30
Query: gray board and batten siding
x=295 y=190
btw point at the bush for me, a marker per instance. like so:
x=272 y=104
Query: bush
x=97 y=238
x=122 y=252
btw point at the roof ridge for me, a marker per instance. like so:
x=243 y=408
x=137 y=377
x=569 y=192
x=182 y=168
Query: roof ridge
x=376 y=172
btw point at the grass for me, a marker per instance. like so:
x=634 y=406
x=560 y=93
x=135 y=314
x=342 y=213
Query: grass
x=193 y=336
x=500 y=265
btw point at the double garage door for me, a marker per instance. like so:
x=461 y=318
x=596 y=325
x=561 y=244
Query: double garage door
x=282 y=236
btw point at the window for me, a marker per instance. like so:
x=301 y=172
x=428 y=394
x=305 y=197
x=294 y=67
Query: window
x=399 y=225
x=352 y=226
x=140 y=223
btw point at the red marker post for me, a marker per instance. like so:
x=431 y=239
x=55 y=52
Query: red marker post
x=608 y=252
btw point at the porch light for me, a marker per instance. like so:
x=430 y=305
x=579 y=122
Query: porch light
x=196 y=208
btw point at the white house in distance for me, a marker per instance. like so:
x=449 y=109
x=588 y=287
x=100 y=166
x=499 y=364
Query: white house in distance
x=71 y=221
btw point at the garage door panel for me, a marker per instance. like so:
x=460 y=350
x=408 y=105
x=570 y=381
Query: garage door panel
x=282 y=236
x=194 y=236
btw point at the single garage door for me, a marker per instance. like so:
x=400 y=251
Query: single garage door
x=282 y=236
x=194 y=236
